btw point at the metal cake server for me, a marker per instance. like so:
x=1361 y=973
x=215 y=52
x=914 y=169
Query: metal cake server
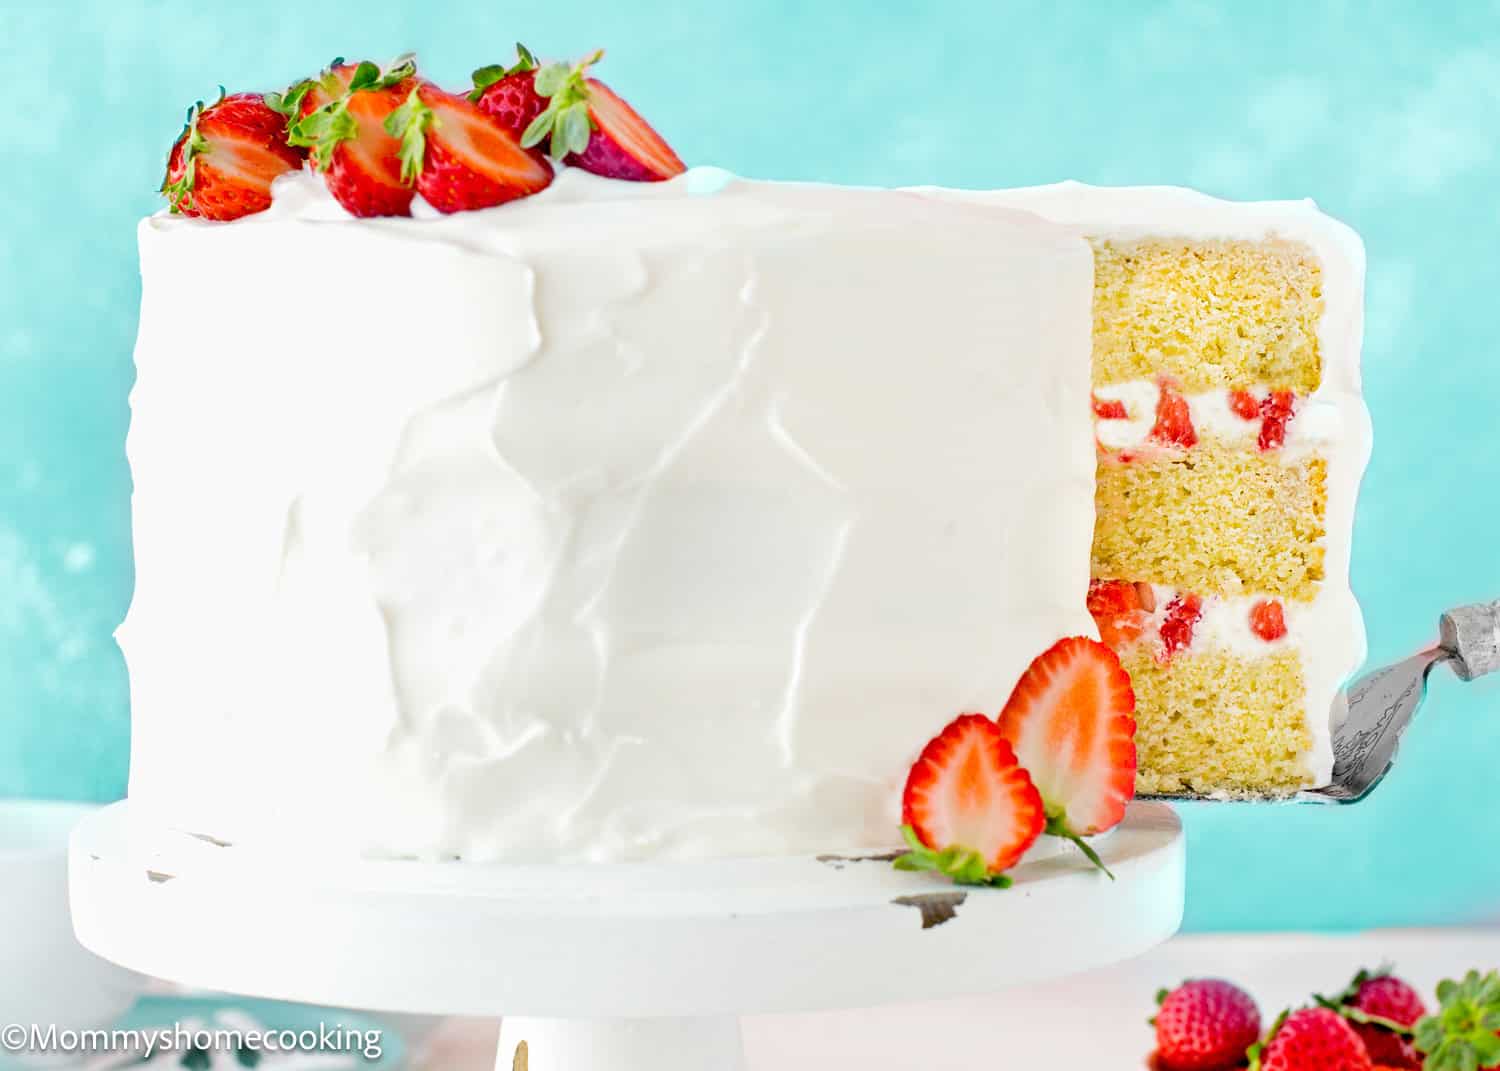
x=1382 y=703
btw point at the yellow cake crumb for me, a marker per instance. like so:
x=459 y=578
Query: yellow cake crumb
x=1211 y=314
x=1211 y=722
x=1213 y=519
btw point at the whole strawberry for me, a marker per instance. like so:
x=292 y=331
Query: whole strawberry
x=1312 y=1039
x=1205 y=1024
x=222 y=164
x=1464 y=1033
x=508 y=94
x=1382 y=1009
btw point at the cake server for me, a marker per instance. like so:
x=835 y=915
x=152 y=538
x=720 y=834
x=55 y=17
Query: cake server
x=1382 y=703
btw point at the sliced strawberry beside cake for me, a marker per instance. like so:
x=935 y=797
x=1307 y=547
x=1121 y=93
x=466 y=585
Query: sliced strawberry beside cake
x=1069 y=722
x=969 y=810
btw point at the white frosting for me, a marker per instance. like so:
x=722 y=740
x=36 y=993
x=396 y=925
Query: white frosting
x=1333 y=644
x=623 y=521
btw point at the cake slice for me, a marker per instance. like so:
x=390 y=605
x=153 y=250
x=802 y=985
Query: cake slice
x=1231 y=436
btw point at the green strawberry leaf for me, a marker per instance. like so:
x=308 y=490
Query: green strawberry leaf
x=565 y=120
x=1057 y=826
x=410 y=123
x=963 y=865
x=1460 y=1035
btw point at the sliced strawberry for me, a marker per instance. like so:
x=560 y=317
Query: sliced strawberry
x=359 y=160
x=1182 y=617
x=969 y=810
x=1268 y=620
x=223 y=163
x=1275 y=414
x=1174 y=420
x=586 y=124
x=1119 y=611
x=1244 y=405
x=508 y=94
x=1069 y=720
x=1110 y=409
x=460 y=158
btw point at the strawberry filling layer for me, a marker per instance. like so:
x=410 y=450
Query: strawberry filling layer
x=1128 y=613
x=1144 y=418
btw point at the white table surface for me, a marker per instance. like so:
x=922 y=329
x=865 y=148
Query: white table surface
x=1094 y=1021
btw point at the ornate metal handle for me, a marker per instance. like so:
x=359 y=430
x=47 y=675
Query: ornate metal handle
x=1471 y=635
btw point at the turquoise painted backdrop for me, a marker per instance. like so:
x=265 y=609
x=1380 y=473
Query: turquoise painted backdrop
x=1387 y=115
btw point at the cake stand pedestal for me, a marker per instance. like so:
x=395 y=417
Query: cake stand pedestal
x=620 y=967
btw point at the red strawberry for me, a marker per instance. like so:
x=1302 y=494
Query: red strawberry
x=969 y=810
x=359 y=160
x=1268 y=620
x=586 y=124
x=1312 y=1039
x=1380 y=1006
x=1119 y=610
x=1204 y=1025
x=310 y=94
x=459 y=158
x=1174 y=420
x=1110 y=409
x=1183 y=613
x=222 y=164
x=1243 y=404
x=508 y=94
x=1275 y=413
x=1069 y=720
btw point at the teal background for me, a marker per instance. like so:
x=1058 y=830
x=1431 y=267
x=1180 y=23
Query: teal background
x=1387 y=115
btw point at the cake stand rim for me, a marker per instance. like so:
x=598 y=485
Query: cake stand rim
x=754 y=936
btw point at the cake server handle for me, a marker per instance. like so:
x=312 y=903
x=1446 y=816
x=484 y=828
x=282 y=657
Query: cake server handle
x=1471 y=637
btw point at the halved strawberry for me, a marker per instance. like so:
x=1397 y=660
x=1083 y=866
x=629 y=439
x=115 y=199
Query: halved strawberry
x=586 y=124
x=1244 y=404
x=969 y=810
x=1183 y=613
x=1069 y=720
x=1268 y=620
x=1119 y=609
x=1174 y=420
x=1275 y=414
x=508 y=94
x=1110 y=409
x=459 y=158
x=223 y=162
x=359 y=160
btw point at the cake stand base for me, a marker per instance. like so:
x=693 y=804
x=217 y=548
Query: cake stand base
x=705 y=1044
x=619 y=967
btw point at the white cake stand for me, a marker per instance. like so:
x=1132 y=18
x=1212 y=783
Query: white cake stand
x=617 y=967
